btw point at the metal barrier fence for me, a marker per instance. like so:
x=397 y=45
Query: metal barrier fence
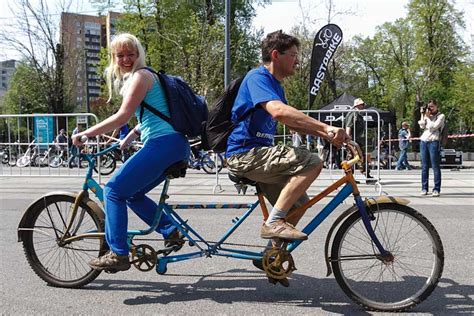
x=372 y=138
x=23 y=135
x=28 y=144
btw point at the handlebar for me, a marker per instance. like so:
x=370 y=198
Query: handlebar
x=355 y=152
x=90 y=156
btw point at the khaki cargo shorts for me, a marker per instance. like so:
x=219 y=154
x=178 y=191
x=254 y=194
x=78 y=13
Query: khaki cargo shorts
x=272 y=167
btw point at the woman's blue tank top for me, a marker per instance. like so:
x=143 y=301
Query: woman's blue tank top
x=153 y=126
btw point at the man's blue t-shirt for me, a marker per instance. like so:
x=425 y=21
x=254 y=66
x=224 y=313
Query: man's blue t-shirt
x=258 y=86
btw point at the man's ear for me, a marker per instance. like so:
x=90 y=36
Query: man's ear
x=275 y=54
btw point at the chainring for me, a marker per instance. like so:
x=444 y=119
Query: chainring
x=278 y=263
x=144 y=257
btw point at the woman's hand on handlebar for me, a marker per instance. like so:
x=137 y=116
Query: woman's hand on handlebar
x=338 y=136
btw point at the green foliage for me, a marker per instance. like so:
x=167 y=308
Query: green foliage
x=461 y=97
x=186 y=38
x=26 y=93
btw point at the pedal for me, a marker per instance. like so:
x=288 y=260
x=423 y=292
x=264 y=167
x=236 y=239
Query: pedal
x=165 y=251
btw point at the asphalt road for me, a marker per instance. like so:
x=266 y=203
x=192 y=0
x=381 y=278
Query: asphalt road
x=228 y=286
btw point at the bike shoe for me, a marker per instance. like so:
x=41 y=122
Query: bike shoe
x=175 y=240
x=110 y=262
x=283 y=230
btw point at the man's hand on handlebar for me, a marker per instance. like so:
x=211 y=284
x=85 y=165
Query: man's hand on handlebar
x=338 y=136
x=79 y=139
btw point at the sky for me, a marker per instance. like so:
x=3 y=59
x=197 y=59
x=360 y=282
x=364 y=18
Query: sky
x=354 y=17
x=359 y=17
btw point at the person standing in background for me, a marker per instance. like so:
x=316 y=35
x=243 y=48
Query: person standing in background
x=355 y=128
x=404 y=136
x=295 y=139
x=432 y=122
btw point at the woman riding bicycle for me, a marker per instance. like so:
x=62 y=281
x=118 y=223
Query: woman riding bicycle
x=163 y=146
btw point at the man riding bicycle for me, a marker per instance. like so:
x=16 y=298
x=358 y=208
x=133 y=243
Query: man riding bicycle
x=283 y=173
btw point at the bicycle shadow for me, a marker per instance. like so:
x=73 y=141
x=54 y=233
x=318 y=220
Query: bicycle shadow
x=241 y=285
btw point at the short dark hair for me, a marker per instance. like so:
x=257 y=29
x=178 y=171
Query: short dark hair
x=433 y=101
x=279 y=41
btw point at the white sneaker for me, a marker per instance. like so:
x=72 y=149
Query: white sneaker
x=423 y=192
x=435 y=194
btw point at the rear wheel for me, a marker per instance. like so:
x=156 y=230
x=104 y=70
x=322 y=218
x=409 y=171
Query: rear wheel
x=62 y=265
x=397 y=282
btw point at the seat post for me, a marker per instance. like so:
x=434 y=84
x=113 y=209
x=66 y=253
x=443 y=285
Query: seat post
x=261 y=200
x=164 y=193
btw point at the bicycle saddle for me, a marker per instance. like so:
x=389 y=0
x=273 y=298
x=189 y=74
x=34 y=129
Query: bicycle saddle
x=241 y=183
x=177 y=170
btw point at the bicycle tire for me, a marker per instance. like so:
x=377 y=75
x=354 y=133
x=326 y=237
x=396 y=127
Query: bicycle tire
x=208 y=164
x=5 y=158
x=56 y=162
x=397 y=285
x=107 y=165
x=12 y=160
x=41 y=161
x=23 y=161
x=62 y=266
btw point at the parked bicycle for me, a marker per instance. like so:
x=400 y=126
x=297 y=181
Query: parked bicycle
x=385 y=255
x=8 y=156
x=29 y=157
x=59 y=158
x=206 y=160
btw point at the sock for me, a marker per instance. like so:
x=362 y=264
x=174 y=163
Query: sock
x=275 y=215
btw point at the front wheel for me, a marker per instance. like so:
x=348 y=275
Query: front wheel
x=62 y=265
x=209 y=165
x=388 y=284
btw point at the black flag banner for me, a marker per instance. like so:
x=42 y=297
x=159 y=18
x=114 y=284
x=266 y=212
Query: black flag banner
x=325 y=44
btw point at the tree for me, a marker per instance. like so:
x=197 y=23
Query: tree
x=35 y=38
x=186 y=38
x=438 y=49
x=26 y=92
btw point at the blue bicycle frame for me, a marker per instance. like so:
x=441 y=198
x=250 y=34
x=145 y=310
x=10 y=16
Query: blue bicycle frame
x=216 y=248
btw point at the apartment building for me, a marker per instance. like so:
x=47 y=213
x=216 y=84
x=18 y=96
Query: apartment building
x=82 y=37
x=7 y=68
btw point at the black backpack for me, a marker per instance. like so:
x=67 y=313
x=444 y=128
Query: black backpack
x=188 y=110
x=219 y=125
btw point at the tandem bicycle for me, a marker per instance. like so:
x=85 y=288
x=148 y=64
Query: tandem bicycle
x=385 y=255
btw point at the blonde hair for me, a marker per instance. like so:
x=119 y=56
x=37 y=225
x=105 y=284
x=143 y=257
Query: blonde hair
x=115 y=78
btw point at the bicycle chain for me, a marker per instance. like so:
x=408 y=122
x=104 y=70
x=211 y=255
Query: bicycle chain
x=200 y=241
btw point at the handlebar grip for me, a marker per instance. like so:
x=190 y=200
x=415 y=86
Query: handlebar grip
x=356 y=153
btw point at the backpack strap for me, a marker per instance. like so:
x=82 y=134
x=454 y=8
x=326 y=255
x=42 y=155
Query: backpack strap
x=145 y=105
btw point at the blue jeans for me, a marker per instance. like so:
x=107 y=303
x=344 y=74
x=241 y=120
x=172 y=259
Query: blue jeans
x=137 y=176
x=430 y=155
x=403 y=160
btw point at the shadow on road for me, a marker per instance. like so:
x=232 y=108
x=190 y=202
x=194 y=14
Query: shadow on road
x=240 y=285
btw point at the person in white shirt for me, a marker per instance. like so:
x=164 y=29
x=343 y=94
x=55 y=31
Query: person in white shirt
x=432 y=122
